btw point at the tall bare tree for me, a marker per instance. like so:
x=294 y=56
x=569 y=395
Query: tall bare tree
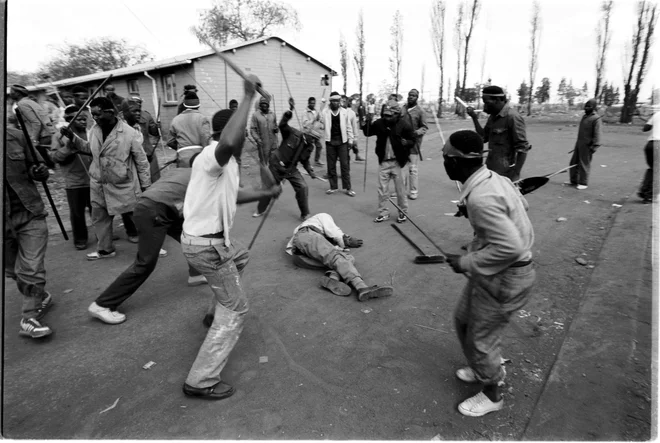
x=641 y=42
x=603 y=38
x=438 y=13
x=471 y=16
x=534 y=44
x=359 y=54
x=343 y=60
x=396 y=31
x=458 y=45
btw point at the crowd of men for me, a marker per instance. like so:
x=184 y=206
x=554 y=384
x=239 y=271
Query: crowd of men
x=106 y=153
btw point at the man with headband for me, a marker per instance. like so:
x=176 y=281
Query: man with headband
x=418 y=121
x=131 y=112
x=498 y=266
x=190 y=131
x=505 y=134
x=394 y=138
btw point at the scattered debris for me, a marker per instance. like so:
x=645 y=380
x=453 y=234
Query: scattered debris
x=149 y=365
x=602 y=228
x=616 y=205
x=504 y=361
x=366 y=310
x=433 y=329
x=522 y=313
x=66 y=291
x=581 y=261
x=590 y=266
x=111 y=407
x=587 y=202
x=603 y=166
x=263 y=359
x=454 y=201
x=450 y=213
x=562 y=219
x=436 y=438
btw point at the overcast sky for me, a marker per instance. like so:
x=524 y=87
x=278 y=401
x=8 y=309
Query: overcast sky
x=500 y=43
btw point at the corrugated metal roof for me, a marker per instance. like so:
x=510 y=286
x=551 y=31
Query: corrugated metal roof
x=166 y=63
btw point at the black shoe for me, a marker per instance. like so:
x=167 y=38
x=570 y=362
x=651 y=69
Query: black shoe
x=208 y=320
x=375 y=292
x=215 y=392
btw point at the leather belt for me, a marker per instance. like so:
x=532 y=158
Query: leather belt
x=200 y=240
x=311 y=228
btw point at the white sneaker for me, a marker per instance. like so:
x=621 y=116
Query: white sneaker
x=257 y=214
x=467 y=375
x=106 y=315
x=197 y=280
x=581 y=187
x=479 y=405
x=162 y=253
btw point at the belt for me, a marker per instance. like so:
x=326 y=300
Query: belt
x=187 y=148
x=520 y=264
x=311 y=228
x=201 y=240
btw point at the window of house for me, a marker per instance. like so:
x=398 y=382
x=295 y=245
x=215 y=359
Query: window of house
x=169 y=85
x=133 y=87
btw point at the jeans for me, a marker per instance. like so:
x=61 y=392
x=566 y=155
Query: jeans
x=411 y=176
x=582 y=158
x=331 y=154
x=299 y=186
x=390 y=170
x=103 y=227
x=316 y=246
x=79 y=200
x=25 y=242
x=153 y=222
x=222 y=266
x=319 y=149
x=483 y=313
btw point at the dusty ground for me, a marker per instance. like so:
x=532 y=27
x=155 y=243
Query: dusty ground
x=336 y=368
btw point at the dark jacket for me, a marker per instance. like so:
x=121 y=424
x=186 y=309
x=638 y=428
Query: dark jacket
x=18 y=161
x=281 y=159
x=401 y=135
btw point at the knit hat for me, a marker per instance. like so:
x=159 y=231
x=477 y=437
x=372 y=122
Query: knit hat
x=129 y=103
x=493 y=90
x=189 y=88
x=264 y=100
x=464 y=144
x=335 y=96
x=71 y=109
x=392 y=107
x=191 y=100
x=593 y=103
x=20 y=89
x=220 y=119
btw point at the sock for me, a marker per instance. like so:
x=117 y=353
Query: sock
x=493 y=393
x=358 y=283
x=333 y=275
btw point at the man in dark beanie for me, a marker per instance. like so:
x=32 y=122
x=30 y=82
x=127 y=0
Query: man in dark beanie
x=80 y=96
x=186 y=89
x=190 y=131
x=505 y=134
x=39 y=126
x=296 y=147
x=117 y=100
x=498 y=266
x=587 y=143
x=74 y=167
x=394 y=139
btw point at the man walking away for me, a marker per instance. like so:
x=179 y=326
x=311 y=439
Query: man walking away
x=26 y=231
x=209 y=210
x=418 y=121
x=588 y=142
x=498 y=265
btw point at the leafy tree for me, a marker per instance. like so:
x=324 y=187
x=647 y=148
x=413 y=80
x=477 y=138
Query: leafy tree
x=22 y=78
x=523 y=93
x=571 y=93
x=542 y=93
x=609 y=95
x=585 y=91
x=96 y=55
x=561 y=90
x=244 y=20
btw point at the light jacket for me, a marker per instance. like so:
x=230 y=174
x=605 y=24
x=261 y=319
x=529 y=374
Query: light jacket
x=263 y=130
x=119 y=167
x=74 y=166
x=347 y=135
x=38 y=122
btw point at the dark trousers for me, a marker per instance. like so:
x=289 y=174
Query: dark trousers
x=129 y=224
x=299 y=186
x=153 y=222
x=331 y=155
x=646 y=190
x=319 y=149
x=582 y=158
x=79 y=200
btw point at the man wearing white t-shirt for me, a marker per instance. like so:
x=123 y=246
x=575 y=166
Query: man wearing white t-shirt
x=208 y=210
